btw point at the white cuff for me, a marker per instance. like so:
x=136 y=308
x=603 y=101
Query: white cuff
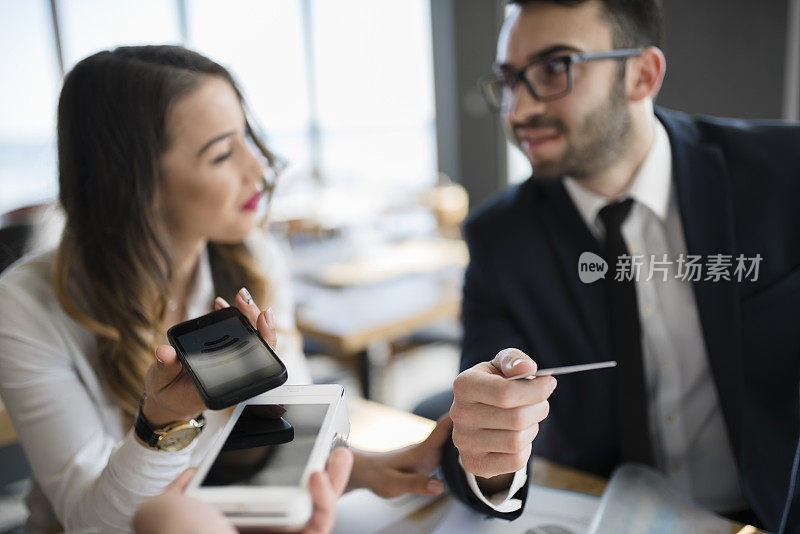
x=144 y=471
x=500 y=501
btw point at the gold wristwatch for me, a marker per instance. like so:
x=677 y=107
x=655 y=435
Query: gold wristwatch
x=172 y=437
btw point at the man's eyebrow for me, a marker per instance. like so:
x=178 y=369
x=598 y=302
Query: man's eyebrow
x=549 y=51
x=214 y=140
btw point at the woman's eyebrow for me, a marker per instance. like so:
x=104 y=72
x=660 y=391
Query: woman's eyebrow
x=214 y=140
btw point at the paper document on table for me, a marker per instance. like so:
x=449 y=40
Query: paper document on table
x=548 y=511
x=362 y=512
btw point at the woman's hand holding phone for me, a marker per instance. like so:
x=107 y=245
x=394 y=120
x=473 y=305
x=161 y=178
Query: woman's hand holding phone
x=263 y=320
x=171 y=394
x=173 y=513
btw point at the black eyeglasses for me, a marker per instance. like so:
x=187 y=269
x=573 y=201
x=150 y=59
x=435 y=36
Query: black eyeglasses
x=545 y=78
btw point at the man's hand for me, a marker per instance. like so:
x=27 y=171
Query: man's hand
x=495 y=419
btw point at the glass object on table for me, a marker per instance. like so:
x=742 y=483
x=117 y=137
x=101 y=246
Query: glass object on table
x=639 y=499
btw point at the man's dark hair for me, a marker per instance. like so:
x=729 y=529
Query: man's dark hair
x=633 y=23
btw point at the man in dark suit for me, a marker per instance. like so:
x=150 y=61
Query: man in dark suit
x=696 y=220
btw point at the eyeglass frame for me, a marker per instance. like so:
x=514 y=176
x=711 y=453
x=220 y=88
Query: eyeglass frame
x=569 y=60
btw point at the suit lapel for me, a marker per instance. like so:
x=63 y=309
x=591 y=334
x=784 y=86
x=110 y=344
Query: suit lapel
x=569 y=237
x=704 y=201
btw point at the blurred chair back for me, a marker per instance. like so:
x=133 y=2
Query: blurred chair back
x=16 y=229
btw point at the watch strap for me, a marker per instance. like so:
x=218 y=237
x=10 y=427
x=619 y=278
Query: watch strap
x=147 y=432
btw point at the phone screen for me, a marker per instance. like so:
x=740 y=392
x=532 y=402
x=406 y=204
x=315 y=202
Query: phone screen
x=225 y=356
x=269 y=445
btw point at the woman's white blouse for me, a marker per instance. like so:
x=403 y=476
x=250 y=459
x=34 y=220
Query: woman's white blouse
x=90 y=474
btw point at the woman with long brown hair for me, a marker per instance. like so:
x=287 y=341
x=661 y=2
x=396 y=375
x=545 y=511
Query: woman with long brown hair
x=161 y=175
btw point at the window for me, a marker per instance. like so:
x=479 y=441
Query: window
x=375 y=91
x=28 y=97
x=88 y=26
x=343 y=90
x=264 y=50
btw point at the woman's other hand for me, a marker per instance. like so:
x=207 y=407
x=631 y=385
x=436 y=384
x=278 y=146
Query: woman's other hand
x=174 y=513
x=395 y=473
x=326 y=488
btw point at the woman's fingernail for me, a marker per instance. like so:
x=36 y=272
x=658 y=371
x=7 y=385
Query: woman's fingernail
x=516 y=362
x=246 y=295
x=434 y=485
x=270 y=318
x=221 y=302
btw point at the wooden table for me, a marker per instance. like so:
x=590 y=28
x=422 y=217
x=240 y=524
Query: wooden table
x=376 y=427
x=355 y=309
x=417 y=302
x=396 y=289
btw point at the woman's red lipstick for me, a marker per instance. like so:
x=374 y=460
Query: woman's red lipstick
x=252 y=204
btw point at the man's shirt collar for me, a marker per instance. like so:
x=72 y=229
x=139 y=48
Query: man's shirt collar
x=651 y=186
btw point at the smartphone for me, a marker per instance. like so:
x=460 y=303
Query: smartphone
x=226 y=357
x=258 y=469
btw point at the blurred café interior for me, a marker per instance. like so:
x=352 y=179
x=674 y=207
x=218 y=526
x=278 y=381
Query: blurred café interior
x=374 y=107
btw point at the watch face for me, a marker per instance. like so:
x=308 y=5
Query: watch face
x=177 y=439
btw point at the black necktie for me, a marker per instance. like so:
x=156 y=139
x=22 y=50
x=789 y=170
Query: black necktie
x=626 y=342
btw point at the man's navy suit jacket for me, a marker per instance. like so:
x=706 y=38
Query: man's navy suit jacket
x=738 y=191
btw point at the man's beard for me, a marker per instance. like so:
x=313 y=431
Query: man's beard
x=598 y=141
